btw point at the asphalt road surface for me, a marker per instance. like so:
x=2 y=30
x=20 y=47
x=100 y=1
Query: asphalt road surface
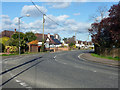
x=56 y=70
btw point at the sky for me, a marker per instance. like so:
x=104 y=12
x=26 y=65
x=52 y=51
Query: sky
x=73 y=17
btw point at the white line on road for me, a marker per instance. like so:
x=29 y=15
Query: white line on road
x=94 y=71
x=17 y=80
x=23 y=84
x=54 y=57
x=80 y=57
x=64 y=63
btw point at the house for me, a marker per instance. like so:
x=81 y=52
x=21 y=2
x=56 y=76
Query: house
x=80 y=44
x=69 y=40
x=49 y=40
x=7 y=33
x=84 y=44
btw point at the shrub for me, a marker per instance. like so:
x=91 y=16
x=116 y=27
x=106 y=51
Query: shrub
x=12 y=49
x=71 y=44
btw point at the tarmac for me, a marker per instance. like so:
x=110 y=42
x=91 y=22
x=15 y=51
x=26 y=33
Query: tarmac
x=89 y=57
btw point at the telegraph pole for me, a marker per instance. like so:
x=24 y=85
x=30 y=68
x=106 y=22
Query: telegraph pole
x=43 y=34
x=75 y=37
x=43 y=25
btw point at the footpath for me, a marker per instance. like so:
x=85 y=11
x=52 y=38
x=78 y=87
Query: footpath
x=89 y=57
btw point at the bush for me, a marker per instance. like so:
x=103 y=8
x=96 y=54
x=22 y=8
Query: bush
x=71 y=44
x=12 y=49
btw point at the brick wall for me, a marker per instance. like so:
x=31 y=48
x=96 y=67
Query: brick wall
x=59 y=49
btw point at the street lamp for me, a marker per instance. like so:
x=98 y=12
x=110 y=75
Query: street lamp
x=27 y=15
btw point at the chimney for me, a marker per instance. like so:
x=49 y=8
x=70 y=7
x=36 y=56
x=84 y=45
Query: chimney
x=15 y=30
x=56 y=36
x=48 y=35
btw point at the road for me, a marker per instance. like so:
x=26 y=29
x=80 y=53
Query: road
x=57 y=70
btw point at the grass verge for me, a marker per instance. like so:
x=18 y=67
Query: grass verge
x=106 y=57
x=8 y=54
x=26 y=53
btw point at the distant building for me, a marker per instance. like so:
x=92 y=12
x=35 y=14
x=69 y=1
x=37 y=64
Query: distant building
x=49 y=40
x=69 y=40
x=84 y=44
x=7 y=33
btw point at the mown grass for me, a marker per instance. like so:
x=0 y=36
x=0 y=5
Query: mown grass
x=106 y=57
x=26 y=53
x=8 y=54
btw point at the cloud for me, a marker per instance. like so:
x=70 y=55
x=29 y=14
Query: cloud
x=68 y=25
x=62 y=17
x=5 y=16
x=76 y=14
x=59 y=4
x=33 y=11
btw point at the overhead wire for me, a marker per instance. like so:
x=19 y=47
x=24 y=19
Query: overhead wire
x=48 y=16
x=45 y=14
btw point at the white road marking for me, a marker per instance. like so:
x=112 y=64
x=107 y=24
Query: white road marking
x=80 y=57
x=54 y=57
x=29 y=88
x=64 y=63
x=23 y=84
x=94 y=71
x=17 y=80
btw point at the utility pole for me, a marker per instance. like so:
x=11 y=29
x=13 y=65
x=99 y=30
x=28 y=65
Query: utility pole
x=75 y=37
x=43 y=25
x=43 y=34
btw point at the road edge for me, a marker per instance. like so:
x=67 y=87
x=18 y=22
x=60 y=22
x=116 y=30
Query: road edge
x=86 y=59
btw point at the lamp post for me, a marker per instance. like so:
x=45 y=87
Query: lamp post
x=27 y=15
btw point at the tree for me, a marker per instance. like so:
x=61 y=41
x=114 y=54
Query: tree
x=106 y=33
x=115 y=24
x=14 y=41
x=27 y=37
x=101 y=13
x=16 y=35
x=71 y=44
x=2 y=47
x=30 y=36
x=3 y=40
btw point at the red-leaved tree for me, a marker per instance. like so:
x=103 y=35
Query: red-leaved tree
x=106 y=33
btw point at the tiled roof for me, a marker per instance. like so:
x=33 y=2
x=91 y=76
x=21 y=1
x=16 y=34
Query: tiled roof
x=52 y=39
x=40 y=37
x=56 y=40
x=6 y=33
x=33 y=42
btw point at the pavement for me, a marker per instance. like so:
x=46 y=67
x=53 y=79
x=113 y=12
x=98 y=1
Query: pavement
x=89 y=57
x=57 y=70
